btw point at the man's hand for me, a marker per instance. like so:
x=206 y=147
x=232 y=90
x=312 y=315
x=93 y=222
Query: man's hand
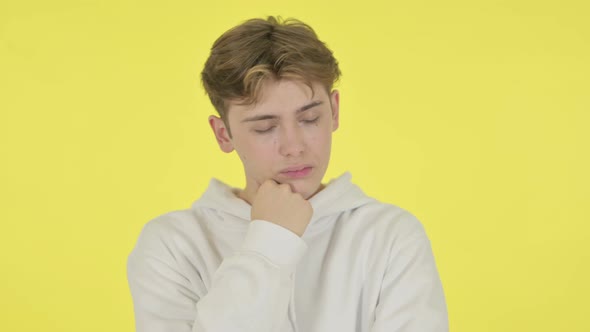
x=276 y=203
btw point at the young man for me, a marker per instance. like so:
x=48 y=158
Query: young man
x=286 y=253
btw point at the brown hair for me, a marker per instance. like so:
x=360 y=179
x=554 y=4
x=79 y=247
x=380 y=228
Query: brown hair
x=256 y=50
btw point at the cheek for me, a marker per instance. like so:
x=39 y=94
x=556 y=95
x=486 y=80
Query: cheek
x=321 y=139
x=256 y=153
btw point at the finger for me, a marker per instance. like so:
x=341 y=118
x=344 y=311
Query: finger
x=269 y=183
x=292 y=186
x=288 y=185
x=273 y=181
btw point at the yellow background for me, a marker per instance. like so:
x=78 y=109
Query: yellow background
x=474 y=115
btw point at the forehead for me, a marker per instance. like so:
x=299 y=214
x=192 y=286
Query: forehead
x=280 y=96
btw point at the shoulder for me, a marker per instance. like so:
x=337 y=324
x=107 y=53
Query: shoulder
x=170 y=222
x=389 y=215
x=166 y=229
x=390 y=222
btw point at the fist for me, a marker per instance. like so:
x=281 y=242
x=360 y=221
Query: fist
x=276 y=203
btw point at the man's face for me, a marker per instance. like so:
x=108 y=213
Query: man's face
x=286 y=136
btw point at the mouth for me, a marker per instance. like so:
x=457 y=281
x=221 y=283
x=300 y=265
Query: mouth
x=297 y=171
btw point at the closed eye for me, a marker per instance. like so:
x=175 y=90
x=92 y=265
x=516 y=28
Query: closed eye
x=311 y=120
x=263 y=131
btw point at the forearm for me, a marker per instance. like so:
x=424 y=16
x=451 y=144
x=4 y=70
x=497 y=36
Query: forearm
x=250 y=290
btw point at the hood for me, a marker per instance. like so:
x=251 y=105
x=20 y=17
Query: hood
x=338 y=196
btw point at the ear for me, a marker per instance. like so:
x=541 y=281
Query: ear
x=221 y=134
x=335 y=104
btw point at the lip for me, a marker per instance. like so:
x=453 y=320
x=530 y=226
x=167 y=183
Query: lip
x=297 y=171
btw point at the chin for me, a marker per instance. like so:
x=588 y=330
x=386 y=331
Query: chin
x=306 y=191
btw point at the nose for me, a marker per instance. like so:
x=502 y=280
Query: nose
x=291 y=141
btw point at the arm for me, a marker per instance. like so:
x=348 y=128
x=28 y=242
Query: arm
x=411 y=297
x=250 y=291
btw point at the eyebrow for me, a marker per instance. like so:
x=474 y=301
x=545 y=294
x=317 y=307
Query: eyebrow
x=270 y=116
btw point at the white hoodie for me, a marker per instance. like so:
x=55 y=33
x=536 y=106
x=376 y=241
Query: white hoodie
x=361 y=266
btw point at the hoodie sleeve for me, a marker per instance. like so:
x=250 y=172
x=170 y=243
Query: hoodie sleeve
x=411 y=297
x=249 y=291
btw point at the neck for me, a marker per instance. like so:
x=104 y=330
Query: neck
x=246 y=195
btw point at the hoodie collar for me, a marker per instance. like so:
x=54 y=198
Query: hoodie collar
x=338 y=196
